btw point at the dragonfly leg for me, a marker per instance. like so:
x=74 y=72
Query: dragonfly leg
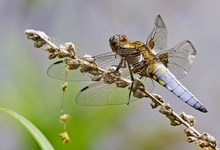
x=132 y=83
x=121 y=64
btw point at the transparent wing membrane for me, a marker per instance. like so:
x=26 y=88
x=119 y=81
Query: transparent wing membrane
x=100 y=93
x=107 y=59
x=179 y=59
x=148 y=82
x=157 y=40
x=58 y=69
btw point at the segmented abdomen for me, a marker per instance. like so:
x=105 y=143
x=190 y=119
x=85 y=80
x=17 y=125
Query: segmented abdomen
x=163 y=76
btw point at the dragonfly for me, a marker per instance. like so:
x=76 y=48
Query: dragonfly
x=149 y=62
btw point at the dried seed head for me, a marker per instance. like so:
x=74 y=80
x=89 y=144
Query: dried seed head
x=154 y=104
x=188 y=118
x=64 y=137
x=202 y=144
x=72 y=63
x=64 y=86
x=175 y=122
x=63 y=54
x=111 y=75
x=94 y=72
x=113 y=69
x=158 y=97
x=51 y=49
x=189 y=132
x=39 y=44
x=139 y=93
x=96 y=77
x=191 y=139
x=86 y=66
x=61 y=51
x=165 y=109
x=89 y=58
x=122 y=83
x=109 y=78
x=138 y=85
x=70 y=47
x=39 y=37
x=52 y=55
x=210 y=138
x=64 y=118
x=205 y=137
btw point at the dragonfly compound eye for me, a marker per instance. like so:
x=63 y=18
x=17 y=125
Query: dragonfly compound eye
x=114 y=42
x=122 y=38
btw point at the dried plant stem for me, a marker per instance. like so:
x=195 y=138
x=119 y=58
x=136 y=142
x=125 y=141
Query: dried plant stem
x=204 y=141
x=88 y=65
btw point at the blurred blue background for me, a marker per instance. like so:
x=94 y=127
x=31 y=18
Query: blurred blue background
x=26 y=88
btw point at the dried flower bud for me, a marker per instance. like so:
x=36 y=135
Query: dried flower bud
x=37 y=36
x=96 y=77
x=188 y=118
x=70 y=47
x=158 y=97
x=52 y=55
x=63 y=54
x=139 y=93
x=122 y=83
x=72 y=63
x=202 y=144
x=112 y=69
x=191 y=139
x=86 y=66
x=205 y=137
x=165 y=109
x=174 y=122
x=154 y=104
x=38 y=44
x=64 y=118
x=89 y=58
x=50 y=49
x=64 y=86
x=189 y=132
x=111 y=76
x=138 y=85
x=64 y=137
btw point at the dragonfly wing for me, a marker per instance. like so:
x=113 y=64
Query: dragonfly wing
x=157 y=40
x=101 y=93
x=148 y=82
x=106 y=60
x=179 y=59
x=58 y=69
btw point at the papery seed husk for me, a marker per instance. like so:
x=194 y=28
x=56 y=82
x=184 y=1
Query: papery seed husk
x=38 y=45
x=122 y=83
x=52 y=55
x=96 y=78
x=139 y=94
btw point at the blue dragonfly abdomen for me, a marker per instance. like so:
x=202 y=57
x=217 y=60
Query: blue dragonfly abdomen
x=163 y=76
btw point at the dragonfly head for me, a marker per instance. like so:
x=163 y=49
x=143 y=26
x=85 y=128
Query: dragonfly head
x=116 y=41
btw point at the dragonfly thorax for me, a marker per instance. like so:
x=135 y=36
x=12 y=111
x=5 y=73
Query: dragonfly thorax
x=135 y=59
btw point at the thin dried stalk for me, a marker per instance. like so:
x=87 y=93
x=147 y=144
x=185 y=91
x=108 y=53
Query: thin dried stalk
x=87 y=64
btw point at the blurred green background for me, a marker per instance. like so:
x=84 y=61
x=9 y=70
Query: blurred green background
x=26 y=88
